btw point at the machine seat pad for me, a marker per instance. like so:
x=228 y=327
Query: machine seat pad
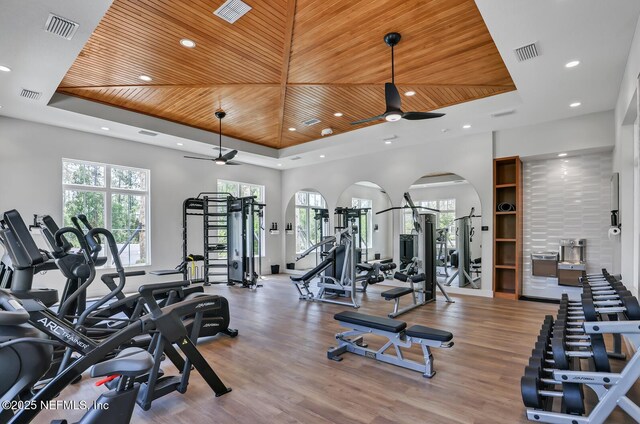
x=313 y=272
x=165 y=272
x=132 y=362
x=422 y=332
x=379 y=323
x=396 y=292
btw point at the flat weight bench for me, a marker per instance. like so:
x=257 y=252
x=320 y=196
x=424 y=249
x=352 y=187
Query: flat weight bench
x=398 y=334
x=396 y=293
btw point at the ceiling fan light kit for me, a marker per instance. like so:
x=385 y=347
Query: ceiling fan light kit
x=392 y=98
x=221 y=159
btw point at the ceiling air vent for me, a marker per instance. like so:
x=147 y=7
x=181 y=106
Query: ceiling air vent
x=310 y=122
x=296 y=158
x=526 y=52
x=62 y=27
x=149 y=133
x=30 y=94
x=232 y=10
x=503 y=113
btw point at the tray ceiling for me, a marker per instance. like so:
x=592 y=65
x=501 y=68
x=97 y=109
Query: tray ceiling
x=285 y=62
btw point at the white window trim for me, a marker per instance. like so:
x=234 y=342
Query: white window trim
x=263 y=189
x=309 y=209
x=107 y=203
x=360 y=200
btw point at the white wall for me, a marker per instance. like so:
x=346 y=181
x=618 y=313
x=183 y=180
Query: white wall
x=625 y=162
x=31 y=181
x=466 y=198
x=566 y=198
x=471 y=157
x=582 y=133
x=382 y=240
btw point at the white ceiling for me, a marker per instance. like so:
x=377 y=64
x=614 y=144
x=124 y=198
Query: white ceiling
x=596 y=32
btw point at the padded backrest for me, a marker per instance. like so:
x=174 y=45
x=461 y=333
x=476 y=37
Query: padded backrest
x=339 y=261
x=20 y=245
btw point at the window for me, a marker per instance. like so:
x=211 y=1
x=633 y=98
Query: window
x=366 y=228
x=444 y=219
x=112 y=197
x=238 y=189
x=307 y=227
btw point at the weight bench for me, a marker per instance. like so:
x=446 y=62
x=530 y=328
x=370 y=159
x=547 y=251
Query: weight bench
x=398 y=336
x=302 y=281
x=396 y=293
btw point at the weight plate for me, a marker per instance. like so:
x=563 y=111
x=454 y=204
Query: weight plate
x=530 y=396
x=559 y=353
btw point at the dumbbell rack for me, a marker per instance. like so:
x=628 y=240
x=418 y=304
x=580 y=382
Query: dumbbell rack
x=555 y=367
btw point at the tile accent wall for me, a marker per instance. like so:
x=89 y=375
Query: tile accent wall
x=566 y=198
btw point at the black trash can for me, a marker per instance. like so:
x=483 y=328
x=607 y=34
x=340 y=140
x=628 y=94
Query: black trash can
x=275 y=269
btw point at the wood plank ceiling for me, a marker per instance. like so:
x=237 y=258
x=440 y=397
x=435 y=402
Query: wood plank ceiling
x=285 y=62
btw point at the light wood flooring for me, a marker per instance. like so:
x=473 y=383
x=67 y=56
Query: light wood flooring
x=279 y=371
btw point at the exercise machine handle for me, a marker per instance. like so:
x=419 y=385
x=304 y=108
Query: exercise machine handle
x=11 y=310
x=147 y=290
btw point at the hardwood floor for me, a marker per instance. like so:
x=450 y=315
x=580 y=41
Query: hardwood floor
x=279 y=371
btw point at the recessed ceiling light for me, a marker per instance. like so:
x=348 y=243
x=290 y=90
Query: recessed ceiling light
x=338 y=114
x=292 y=129
x=572 y=64
x=104 y=128
x=180 y=144
x=561 y=155
x=575 y=104
x=322 y=156
x=279 y=164
x=5 y=69
x=145 y=78
x=387 y=142
x=466 y=126
x=185 y=42
x=410 y=93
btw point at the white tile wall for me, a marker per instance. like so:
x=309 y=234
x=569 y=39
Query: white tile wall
x=566 y=198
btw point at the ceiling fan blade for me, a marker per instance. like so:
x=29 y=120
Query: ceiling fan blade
x=233 y=163
x=415 y=116
x=230 y=155
x=392 y=97
x=362 y=121
x=195 y=157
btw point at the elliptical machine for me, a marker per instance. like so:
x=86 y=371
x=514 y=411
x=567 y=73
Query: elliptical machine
x=166 y=324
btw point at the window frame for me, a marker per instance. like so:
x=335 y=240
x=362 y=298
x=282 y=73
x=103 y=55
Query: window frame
x=239 y=185
x=356 y=202
x=108 y=192
x=309 y=210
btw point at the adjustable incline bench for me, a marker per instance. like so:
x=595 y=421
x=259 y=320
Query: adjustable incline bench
x=397 y=333
x=302 y=281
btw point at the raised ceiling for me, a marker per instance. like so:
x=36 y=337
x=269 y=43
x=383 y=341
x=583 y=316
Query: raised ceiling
x=285 y=62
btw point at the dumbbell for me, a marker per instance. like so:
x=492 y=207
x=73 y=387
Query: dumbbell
x=537 y=392
x=592 y=309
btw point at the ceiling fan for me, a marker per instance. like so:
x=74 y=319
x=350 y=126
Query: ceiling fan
x=221 y=159
x=392 y=97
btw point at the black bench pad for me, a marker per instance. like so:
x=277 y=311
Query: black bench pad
x=422 y=332
x=313 y=272
x=379 y=323
x=165 y=272
x=396 y=293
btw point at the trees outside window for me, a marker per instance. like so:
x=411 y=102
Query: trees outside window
x=307 y=226
x=112 y=197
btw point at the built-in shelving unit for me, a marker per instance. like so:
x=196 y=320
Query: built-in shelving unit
x=507 y=225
